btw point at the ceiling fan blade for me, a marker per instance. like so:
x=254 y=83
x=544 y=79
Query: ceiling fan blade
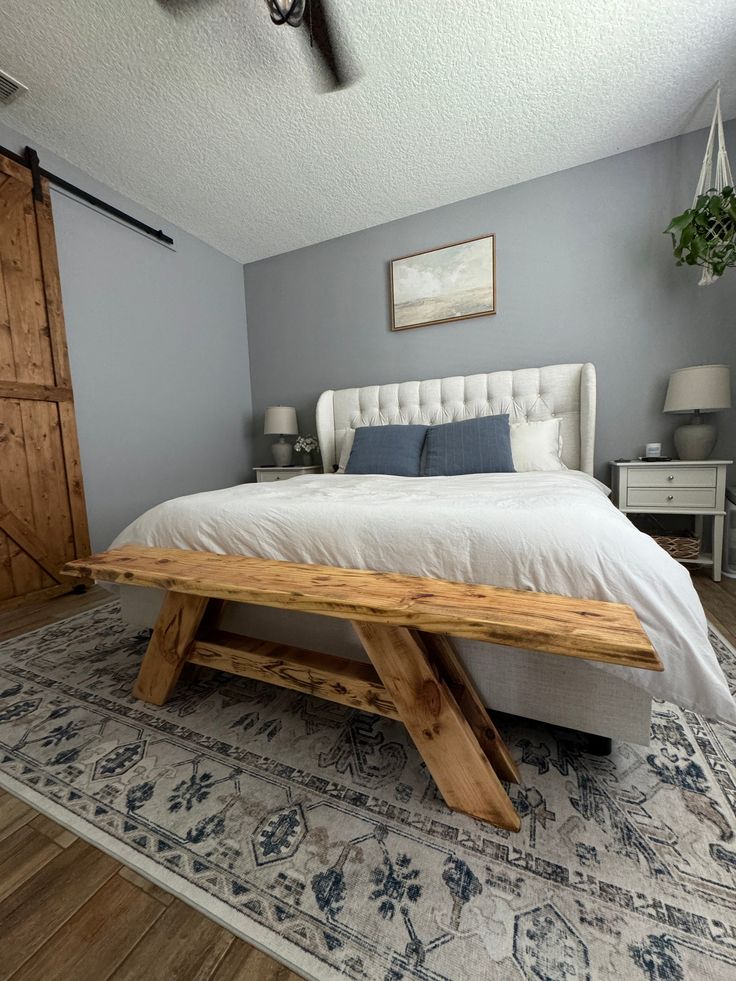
x=319 y=23
x=183 y=6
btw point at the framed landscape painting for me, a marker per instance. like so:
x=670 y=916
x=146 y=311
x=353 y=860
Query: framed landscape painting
x=453 y=282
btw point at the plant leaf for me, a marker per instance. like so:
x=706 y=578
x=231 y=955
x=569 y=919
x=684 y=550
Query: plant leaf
x=680 y=221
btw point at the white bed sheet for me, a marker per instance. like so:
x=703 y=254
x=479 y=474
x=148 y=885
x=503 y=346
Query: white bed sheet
x=550 y=532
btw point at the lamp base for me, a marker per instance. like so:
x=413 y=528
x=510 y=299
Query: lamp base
x=281 y=453
x=695 y=442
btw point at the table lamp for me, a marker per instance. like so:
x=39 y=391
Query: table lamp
x=702 y=388
x=281 y=421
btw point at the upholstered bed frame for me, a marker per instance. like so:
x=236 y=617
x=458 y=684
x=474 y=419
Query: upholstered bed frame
x=566 y=391
x=564 y=691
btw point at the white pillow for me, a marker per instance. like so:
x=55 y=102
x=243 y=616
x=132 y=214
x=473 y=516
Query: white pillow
x=347 y=448
x=537 y=445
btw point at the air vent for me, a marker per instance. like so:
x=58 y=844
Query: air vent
x=9 y=89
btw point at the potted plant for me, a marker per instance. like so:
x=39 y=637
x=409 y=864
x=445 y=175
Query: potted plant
x=306 y=445
x=705 y=235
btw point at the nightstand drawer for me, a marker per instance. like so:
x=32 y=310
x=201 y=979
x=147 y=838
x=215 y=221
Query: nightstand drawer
x=671 y=497
x=661 y=476
x=264 y=477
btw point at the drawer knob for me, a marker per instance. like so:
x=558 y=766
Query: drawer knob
x=671 y=477
x=670 y=497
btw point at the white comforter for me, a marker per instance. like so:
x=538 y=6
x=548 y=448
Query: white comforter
x=551 y=532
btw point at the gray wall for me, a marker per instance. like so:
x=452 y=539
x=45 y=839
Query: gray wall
x=583 y=274
x=159 y=357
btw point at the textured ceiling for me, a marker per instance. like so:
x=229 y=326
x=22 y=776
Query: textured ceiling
x=214 y=118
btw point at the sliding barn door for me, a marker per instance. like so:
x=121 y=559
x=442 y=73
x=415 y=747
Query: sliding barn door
x=43 y=521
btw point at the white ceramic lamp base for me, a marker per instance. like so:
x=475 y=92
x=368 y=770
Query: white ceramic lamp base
x=696 y=441
x=281 y=453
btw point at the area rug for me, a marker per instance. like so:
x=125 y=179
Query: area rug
x=315 y=832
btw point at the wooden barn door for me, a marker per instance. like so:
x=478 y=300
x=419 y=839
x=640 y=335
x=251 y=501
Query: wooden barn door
x=43 y=522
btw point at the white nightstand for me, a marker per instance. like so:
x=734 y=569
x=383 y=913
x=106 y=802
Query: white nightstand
x=693 y=487
x=266 y=474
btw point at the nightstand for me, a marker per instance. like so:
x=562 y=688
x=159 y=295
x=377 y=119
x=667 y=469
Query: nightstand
x=692 y=487
x=266 y=474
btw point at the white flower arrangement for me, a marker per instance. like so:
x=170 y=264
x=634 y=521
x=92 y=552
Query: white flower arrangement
x=306 y=444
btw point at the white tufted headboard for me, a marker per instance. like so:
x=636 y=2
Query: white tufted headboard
x=564 y=390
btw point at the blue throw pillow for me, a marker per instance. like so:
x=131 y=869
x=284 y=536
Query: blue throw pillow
x=393 y=450
x=471 y=446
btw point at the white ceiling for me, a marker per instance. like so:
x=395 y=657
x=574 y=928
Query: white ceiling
x=214 y=118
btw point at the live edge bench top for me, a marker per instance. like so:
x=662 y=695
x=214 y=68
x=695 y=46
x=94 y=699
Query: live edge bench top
x=582 y=628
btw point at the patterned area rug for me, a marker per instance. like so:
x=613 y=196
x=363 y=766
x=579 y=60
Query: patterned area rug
x=315 y=832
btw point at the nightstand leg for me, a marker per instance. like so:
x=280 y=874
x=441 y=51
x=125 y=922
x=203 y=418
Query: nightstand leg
x=717 y=546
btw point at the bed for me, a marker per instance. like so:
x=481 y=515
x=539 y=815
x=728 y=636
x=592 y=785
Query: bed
x=549 y=531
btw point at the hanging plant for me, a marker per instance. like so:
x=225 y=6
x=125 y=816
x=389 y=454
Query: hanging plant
x=705 y=235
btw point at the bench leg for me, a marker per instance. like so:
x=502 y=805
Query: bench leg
x=435 y=721
x=442 y=654
x=167 y=650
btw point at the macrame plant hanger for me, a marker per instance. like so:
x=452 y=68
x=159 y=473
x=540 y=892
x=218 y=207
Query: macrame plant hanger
x=710 y=181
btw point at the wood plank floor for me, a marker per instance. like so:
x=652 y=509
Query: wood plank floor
x=68 y=912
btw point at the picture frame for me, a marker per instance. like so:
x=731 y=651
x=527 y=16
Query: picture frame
x=445 y=284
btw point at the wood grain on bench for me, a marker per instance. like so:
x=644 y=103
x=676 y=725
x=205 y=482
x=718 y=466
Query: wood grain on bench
x=581 y=628
x=339 y=679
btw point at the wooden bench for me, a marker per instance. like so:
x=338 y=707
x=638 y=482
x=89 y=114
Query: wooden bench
x=403 y=623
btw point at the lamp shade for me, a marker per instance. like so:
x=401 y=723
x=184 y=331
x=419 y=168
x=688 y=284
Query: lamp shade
x=281 y=420
x=704 y=387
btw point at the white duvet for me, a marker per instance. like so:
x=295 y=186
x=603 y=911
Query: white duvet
x=551 y=532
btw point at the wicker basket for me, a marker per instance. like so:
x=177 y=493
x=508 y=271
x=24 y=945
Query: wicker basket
x=681 y=547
